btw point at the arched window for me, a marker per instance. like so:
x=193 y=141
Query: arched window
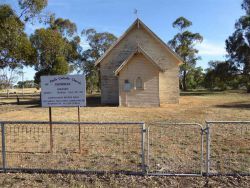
x=139 y=83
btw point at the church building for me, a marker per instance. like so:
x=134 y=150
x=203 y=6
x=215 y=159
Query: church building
x=139 y=70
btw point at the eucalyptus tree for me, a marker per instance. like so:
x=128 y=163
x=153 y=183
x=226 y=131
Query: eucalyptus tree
x=183 y=43
x=57 y=47
x=98 y=43
x=238 y=45
x=16 y=50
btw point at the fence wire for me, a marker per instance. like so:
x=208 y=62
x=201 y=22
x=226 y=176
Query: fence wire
x=158 y=149
x=86 y=147
x=174 y=148
x=229 y=147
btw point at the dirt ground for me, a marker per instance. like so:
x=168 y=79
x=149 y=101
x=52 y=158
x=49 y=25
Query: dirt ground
x=196 y=107
x=59 y=180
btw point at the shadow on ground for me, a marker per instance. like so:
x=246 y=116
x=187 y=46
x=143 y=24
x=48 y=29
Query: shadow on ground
x=92 y=101
x=201 y=93
x=241 y=105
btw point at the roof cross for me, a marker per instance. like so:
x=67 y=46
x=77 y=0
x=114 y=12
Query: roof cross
x=136 y=13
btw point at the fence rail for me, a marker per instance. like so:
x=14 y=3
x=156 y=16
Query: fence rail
x=156 y=148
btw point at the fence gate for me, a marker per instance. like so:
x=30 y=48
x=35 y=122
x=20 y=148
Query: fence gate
x=174 y=148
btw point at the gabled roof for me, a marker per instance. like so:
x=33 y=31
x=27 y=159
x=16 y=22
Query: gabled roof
x=140 y=51
x=138 y=23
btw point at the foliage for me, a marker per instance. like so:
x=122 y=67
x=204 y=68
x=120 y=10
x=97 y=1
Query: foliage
x=221 y=75
x=183 y=44
x=26 y=84
x=195 y=78
x=64 y=26
x=58 y=48
x=15 y=47
x=31 y=8
x=238 y=45
x=98 y=44
x=60 y=66
x=16 y=50
x=49 y=45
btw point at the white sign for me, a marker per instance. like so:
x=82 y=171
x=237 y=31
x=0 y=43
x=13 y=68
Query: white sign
x=63 y=90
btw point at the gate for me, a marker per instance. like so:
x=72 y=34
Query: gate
x=175 y=149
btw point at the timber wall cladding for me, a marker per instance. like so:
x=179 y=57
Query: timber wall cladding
x=109 y=82
x=139 y=66
x=169 y=86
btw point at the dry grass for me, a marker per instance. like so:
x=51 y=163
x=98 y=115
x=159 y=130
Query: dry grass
x=19 y=91
x=228 y=106
x=221 y=106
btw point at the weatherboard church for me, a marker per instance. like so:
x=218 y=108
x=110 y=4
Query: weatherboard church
x=139 y=70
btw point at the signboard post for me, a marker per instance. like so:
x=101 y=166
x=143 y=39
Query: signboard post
x=63 y=91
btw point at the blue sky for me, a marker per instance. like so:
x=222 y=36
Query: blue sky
x=213 y=19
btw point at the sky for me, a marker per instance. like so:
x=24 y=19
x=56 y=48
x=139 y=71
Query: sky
x=213 y=19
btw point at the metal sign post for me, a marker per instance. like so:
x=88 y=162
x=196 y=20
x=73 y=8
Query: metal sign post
x=79 y=129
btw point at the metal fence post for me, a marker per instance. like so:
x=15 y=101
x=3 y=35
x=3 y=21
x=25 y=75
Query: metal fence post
x=3 y=147
x=143 y=131
x=148 y=150
x=202 y=150
x=208 y=149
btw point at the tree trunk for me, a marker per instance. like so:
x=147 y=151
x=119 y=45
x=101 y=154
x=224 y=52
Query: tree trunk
x=184 y=81
x=248 y=89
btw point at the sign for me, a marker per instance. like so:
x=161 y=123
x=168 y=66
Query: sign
x=63 y=90
x=127 y=87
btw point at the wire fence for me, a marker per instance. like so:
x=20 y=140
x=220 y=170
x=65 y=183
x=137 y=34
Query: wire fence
x=228 y=147
x=73 y=146
x=175 y=148
x=218 y=148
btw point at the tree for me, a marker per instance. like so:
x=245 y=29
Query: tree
x=60 y=67
x=58 y=47
x=26 y=84
x=31 y=8
x=64 y=26
x=8 y=77
x=98 y=44
x=183 y=44
x=15 y=47
x=16 y=50
x=238 y=45
x=221 y=75
x=52 y=52
x=195 y=78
